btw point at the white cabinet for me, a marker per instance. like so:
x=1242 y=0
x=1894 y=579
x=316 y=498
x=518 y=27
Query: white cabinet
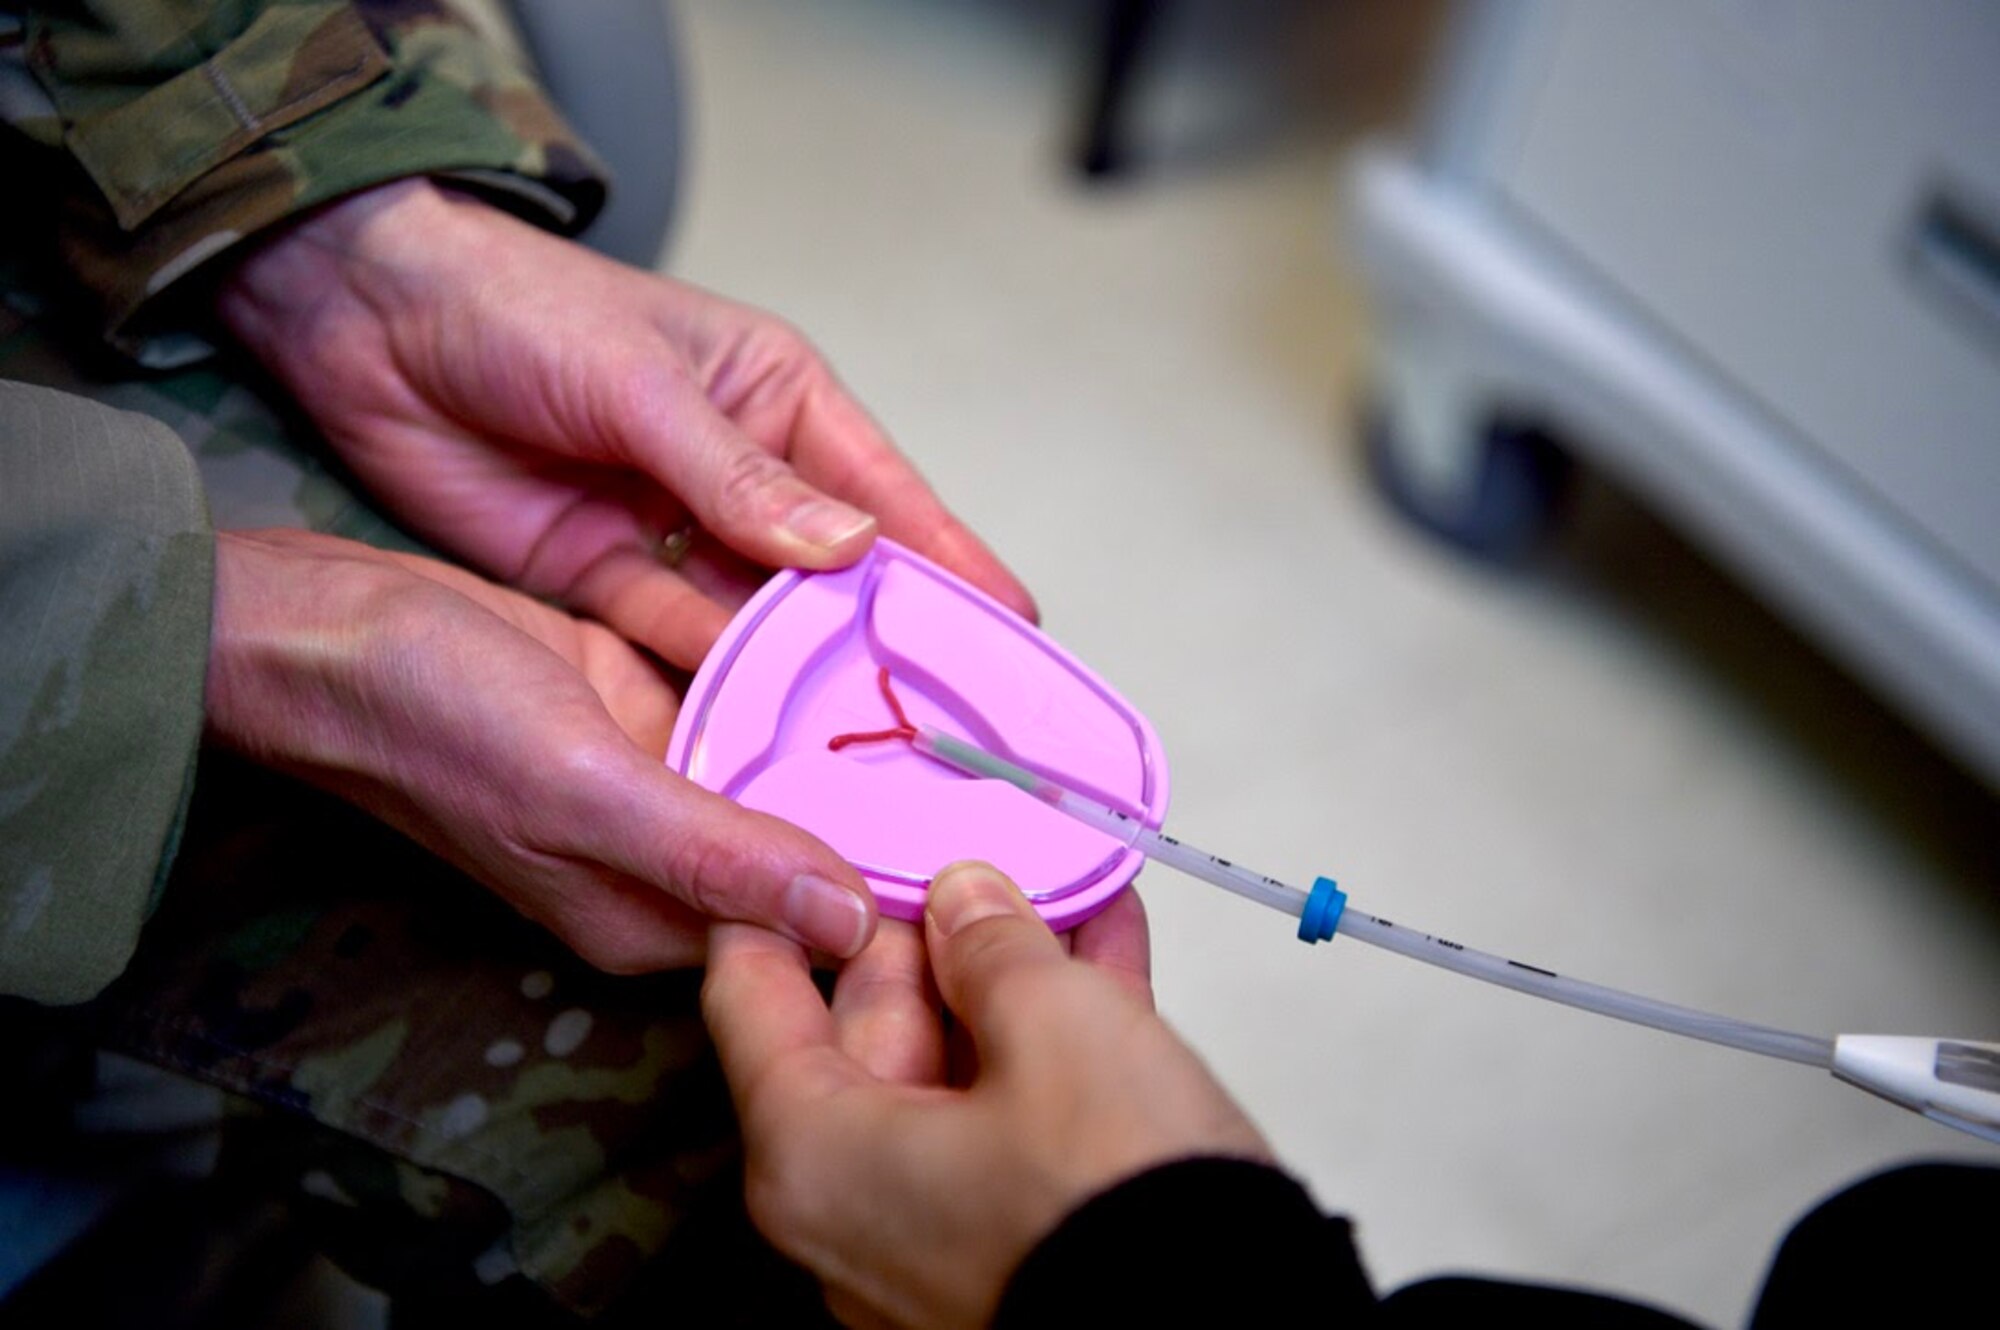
x=1746 y=256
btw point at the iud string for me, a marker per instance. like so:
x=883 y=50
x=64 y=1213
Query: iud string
x=904 y=730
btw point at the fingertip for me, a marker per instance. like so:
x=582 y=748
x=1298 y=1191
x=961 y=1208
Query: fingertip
x=756 y=502
x=984 y=939
x=828 y=915
x=1004 y=587
x=833 y=534
x=726 y=861
x=966 y=892
x=959 y=549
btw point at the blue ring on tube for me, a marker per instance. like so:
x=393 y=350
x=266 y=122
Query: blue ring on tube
x=1322 y=913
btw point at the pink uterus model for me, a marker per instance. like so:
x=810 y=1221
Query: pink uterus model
x=802 y=665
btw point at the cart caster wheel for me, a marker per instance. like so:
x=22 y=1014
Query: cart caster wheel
x=1504 y=502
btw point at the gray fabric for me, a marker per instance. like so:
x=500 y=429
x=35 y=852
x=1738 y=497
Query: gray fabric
x=611 y=65
x=106 y=583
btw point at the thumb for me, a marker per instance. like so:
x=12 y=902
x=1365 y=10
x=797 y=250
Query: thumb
x=730 y=862
x=983 y=936
x=752 y=501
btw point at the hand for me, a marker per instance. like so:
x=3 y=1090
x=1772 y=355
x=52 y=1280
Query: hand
x=914 y=1201
x=520 y=744
x=549 y=415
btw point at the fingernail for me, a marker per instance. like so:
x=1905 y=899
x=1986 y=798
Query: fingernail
x=826 y=915
x=825 y=523
x=962 y=895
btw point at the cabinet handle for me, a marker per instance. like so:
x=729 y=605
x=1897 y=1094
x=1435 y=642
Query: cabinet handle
x=1956 y=253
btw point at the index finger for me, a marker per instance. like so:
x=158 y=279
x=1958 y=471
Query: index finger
x=1118 y=942
x=626 y=810
x=885 y=1008
x=839 y=447
x=760 y=1003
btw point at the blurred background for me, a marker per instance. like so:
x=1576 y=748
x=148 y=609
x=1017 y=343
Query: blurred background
x=1537 y=463
x=1627 y=752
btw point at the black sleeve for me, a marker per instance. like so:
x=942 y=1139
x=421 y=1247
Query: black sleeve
x=1226 y=1241
x=1230 y=1242
x=1195 y=1242
x=1910 y=1246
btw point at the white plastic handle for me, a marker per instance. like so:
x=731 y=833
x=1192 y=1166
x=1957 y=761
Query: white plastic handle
x=1952 y=1081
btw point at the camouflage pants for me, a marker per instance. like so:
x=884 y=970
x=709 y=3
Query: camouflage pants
x=450 y=1098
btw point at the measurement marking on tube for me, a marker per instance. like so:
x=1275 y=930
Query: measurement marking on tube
x=1535 y=969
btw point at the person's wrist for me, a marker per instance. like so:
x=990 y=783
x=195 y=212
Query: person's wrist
x=295 y=637
x=355 y=253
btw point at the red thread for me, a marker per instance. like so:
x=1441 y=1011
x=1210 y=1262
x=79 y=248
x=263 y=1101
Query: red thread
x=904 y=730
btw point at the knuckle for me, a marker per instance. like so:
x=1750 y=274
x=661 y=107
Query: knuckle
x=997 y=969
x=608 y=929
x=594 y=950
x=720 y=990
x=877 y=994
x=1004 y=984
x=749 y=482
x=600 y=945
x=784 y=1187
x=591 y=768
x=576 y=796
x=780 y=342
x=772 y=1204
x=615 y=956
x=729 y=989
x=704 y=872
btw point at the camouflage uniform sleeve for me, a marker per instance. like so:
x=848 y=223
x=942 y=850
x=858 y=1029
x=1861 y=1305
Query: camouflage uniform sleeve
x=106 y=586
x=164 y=132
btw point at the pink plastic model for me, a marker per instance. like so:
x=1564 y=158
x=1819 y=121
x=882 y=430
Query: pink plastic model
x=801 y=665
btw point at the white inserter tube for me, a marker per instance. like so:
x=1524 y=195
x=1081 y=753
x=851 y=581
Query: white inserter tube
x=1954 y=1082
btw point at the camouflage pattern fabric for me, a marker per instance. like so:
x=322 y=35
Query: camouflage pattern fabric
x=258 y=460
x=317 y=964
x=155 y=135
x=453 y=1098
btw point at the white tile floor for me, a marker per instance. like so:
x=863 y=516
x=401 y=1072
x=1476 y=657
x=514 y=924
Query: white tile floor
x=1614 y=765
